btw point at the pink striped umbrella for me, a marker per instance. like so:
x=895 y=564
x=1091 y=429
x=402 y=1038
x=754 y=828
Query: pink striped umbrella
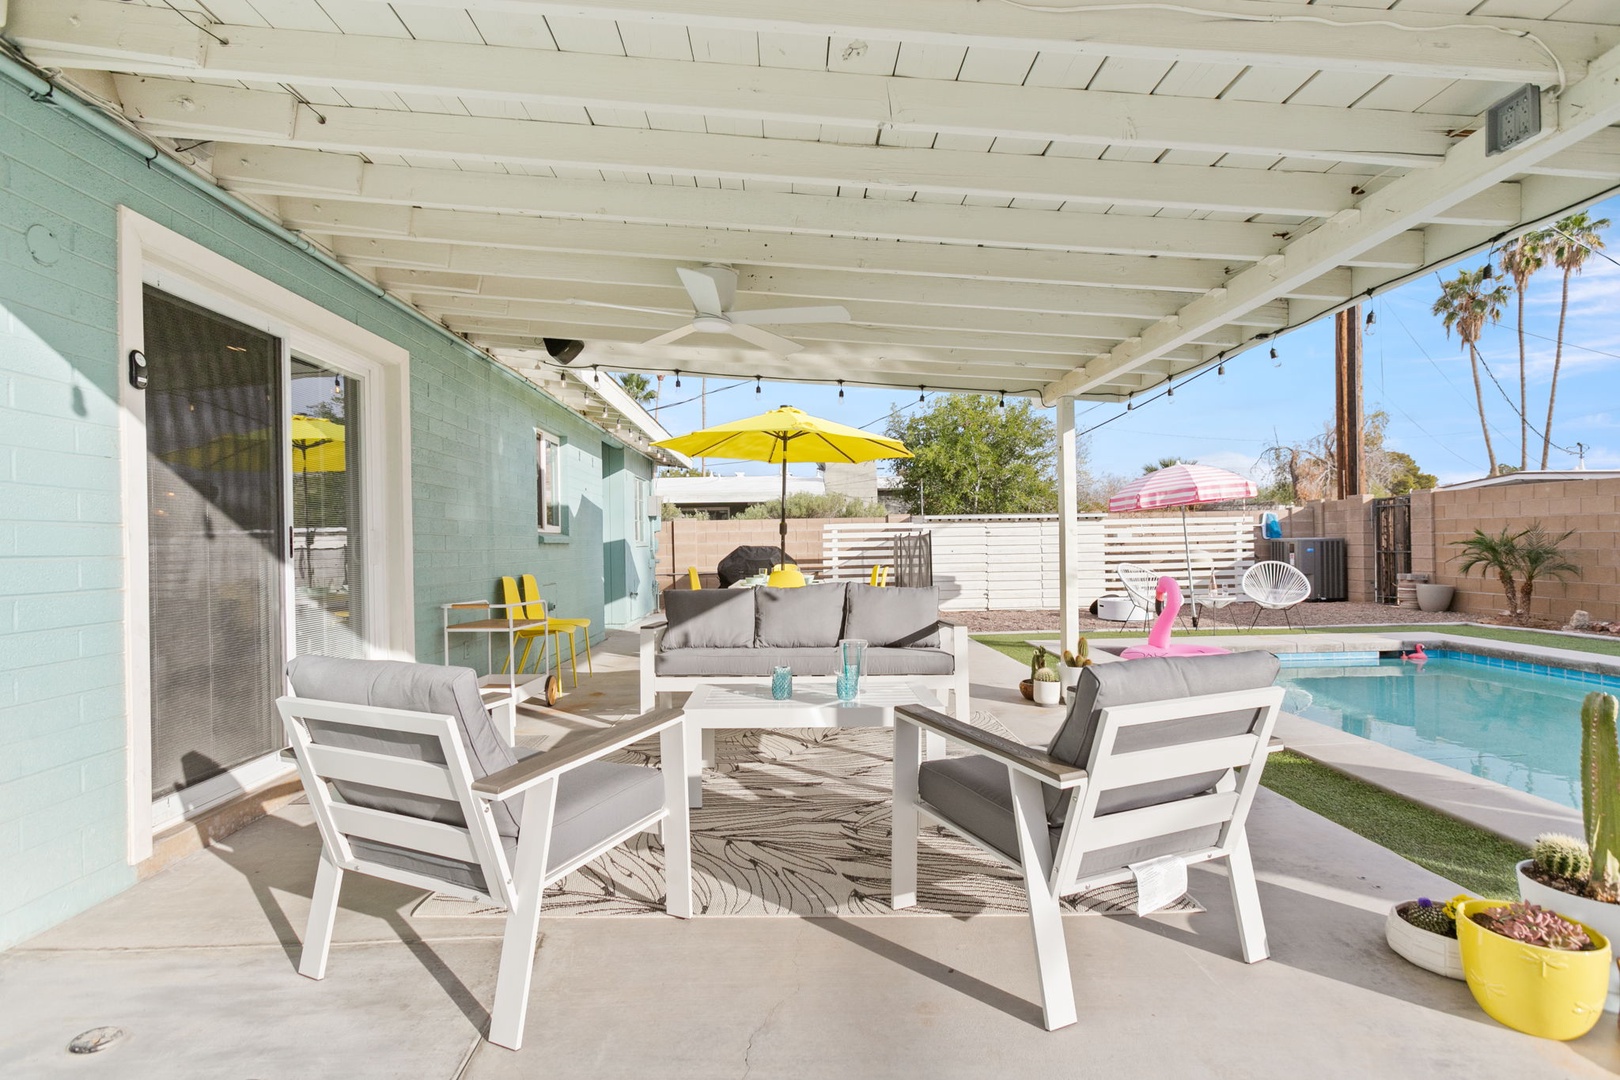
x=1183 y=486
x=1180 y=485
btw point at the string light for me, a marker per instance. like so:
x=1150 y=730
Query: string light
x=596 y=378
x=1170 y=387
x=1003 y=399
x=757 y=388
x=1372 y=320
x=677 y=379
x=1276 y=361
x=922 y=392
x=840 y=389
x=1220 y=369
x=1130 y=401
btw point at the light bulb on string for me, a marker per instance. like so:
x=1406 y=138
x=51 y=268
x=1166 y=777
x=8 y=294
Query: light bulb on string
x=1003 y=404
x=758 y=389
x=840 y=389
x=1170 y=388
x=596 y=377
x=1276 y=361
x=1130 y=401
x=922 y=392
x=1372 y=321
x=677 y=380
x=1220 y=369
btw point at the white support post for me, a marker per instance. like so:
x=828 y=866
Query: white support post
x=903 y=828
x=1068 y=526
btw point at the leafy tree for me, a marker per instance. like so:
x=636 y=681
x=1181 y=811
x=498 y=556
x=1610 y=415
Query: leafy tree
x=639 y=387
x=805 y=504
x=1518 y=559
x=1569 y=242
x=1309 y=470
x=971 y=457
x=1467 y=302
x=1405 y=477
x=1521 y=258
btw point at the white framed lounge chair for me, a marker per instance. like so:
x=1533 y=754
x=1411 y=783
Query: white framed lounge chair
x=1157 y=757
x=408 y=781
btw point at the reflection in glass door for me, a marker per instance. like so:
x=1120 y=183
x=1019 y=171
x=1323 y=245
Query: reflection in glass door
x=328 y=563
x=216 y=535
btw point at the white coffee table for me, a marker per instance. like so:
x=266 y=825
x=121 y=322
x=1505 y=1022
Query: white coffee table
x=814 y=704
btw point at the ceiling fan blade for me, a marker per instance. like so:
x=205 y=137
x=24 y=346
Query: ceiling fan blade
x=777 y=344
x=672 y=336
x=626 y=307
x=712 y=288
x=790 y=315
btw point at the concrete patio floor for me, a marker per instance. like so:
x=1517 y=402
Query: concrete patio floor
x=197 y=965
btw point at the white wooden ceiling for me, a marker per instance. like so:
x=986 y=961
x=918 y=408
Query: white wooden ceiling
x=1082 y=201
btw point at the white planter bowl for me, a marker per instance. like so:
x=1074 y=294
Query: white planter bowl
x=1431 y=952
x=1070 y=676
x=1604 y=918
x=1048 y=693
x=1432 y=597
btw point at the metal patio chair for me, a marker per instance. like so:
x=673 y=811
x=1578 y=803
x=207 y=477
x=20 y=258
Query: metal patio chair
x=1275 y=586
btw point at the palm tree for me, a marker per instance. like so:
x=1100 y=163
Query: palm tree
x=1518 y=559
x=1541 y=556
x=1520 y=259
x=639 y=387
x=1467 y=302
x=1572 y=239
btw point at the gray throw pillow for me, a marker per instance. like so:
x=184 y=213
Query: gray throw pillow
x=709 y=618
x=1154 y=679
x=809 y=617
x=901 y=618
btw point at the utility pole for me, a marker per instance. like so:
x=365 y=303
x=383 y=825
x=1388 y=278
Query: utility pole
x=1349 y=451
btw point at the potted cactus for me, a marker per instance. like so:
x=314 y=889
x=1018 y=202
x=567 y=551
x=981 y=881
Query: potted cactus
x=1074 y=663
x=1037 y=662
x=1533 y=969
x=1048 y=688
x=1425 y=933
x=1581 y=879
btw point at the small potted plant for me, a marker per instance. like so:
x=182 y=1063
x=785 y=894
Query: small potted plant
x=1425 y=932
x=1532 y=969
x=1036 y=663
x=1048 y=688
x=1074 y=663
x=1581 y=879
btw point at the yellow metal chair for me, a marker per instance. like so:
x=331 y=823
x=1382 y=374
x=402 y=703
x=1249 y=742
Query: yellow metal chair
x=691 y=576
x=557 y=627
x=785 y=576
x=880 y=576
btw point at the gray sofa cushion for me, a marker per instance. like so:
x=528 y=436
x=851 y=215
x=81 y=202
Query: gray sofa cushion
x=594 y=801
x=739 y=662
x=391 y=684
x=709 y=618
x=976 y=793
x=1155 y=679
x=809 y=617
x=898 y=617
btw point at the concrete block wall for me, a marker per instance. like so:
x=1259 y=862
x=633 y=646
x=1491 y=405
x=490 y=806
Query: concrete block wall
x=1351 y=520
x=62 y=638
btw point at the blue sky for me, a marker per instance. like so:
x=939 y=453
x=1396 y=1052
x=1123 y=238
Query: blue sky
x=1413 y=372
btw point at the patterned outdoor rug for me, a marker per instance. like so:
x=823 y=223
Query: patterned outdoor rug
x=796 y=822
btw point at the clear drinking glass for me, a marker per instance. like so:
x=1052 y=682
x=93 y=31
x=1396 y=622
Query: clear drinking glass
x=781 y=683
x=851 y=662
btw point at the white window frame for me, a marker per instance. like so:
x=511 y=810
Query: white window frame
x=150 y=254
x=640 y=492
x=548 y=511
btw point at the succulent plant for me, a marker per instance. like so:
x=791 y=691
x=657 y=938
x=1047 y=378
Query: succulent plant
x=1535 y=925
x=1425 y=914
x=1600 y=793
x=1562 y=857
x=1045 y=674
x=1037 y=662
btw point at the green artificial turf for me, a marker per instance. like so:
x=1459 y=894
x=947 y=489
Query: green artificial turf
x=1476 y=860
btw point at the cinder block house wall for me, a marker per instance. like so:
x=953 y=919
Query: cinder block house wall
x=62 y=721
x=1352 y=520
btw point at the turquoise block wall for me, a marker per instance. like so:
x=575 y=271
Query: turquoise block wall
x=62 y=717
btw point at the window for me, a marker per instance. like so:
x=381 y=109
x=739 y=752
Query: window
x=548 y=482
x=638 y=508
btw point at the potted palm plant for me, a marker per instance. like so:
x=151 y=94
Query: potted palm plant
x=1581 y=879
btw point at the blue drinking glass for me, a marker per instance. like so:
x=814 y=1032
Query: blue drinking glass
x=781 y=683
x=851 y=659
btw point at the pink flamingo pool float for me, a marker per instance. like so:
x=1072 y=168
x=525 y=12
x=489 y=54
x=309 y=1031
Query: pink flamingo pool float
x=1416 y=656
x=1159 y=637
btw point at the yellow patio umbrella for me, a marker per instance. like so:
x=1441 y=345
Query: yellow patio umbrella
x=318 y=447
x=782 y=435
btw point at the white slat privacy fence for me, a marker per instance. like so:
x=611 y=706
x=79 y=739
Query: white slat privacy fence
x=1010 y=563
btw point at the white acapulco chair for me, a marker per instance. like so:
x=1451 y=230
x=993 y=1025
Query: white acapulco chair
x=1140 y=585
x=1275 y=586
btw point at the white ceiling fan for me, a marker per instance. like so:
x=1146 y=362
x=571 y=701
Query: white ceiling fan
x=713 y=289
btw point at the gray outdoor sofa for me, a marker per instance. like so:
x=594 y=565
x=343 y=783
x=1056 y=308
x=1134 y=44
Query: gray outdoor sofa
x=738 y=635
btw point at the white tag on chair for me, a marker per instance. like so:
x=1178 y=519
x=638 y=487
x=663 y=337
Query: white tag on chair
x=1159 y=882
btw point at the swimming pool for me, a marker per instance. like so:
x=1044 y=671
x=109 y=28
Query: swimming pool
x=1515 y=723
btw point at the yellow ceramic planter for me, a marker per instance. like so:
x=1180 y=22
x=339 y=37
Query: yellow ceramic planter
x=1544 y=992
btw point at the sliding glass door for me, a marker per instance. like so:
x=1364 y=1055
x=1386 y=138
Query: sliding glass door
x=328 y=541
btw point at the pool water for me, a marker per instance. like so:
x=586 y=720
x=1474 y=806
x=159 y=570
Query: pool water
x=1516 y=724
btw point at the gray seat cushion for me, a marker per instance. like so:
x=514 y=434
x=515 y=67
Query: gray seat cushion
x=594 y=801
x=760 y=661
x=391 y=684
x=809 y=617
x=709 y=618
x=1155 y=679
x=975 y=793
x=892 y=617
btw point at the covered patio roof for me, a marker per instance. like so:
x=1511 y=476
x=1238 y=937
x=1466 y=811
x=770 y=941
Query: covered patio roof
x=1075 y=201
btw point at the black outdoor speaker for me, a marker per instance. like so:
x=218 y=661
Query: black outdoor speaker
x=563 y=350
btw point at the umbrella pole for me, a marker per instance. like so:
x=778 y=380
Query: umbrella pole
x=783 y=528
x=1186 y=547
